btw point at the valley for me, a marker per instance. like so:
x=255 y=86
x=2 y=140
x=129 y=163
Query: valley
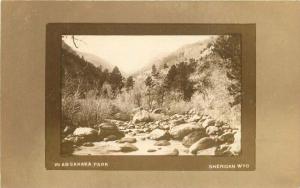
x=185 y=103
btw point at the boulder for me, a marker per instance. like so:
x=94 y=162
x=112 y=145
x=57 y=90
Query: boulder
x=173 y=152
x=201 y=144
x=176 y=116
x=157 y=117
x=157 y=111
x=68 y=130
x=147 y=130
x=138 y=131
x=151 y=150
x=212 y=130
x=128 y=147
x=223 y=150
x=84 y=131
x=235 y=147
x=126 y=131
x=86 y=134
x=192 y=111
x=135 y=110
x=226 y=127
x=208 y=122
x=131 y=126
x=193 y=137
x=226 y=138
x=118 y=123
x=131 y=134
x=107 y=129
x=122 y=116
x=108 y=126
x=205 y=117
x=219 y=123
x=194 y=118
x=177 y=121
x=127 y=140
x=158 y=134
x=110 y=138
x=162 y=143
x=153 y=126
x=75 y=140
x=141 y=116
x=164 y=127
x=180 y=131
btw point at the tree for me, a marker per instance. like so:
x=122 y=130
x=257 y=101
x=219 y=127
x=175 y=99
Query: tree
x=229 y=49
x=188 y=91
x=106 y=90
x=166 y=66
x=99 y=68
x=160 y=90
x=192 y=64
x=106 y=75
x=177 y=79
x=149 y=84
x=170 y=76
x=129 y=83
x=116 y=80
x=228 y=46
x=154 y=71
x=183 y=84
x=149 y=81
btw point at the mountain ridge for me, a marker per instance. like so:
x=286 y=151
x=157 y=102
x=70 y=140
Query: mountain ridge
x=92 y=58
x=194 y=50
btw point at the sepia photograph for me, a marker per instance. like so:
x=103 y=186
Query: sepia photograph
x=133 y=94
x=150 y=95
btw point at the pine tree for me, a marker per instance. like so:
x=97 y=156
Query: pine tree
x=149 y=84
x=178 y=79
x=170 y=77
x=154 y=71
x=129 y=83
x=149 y=81
x=106 y=75
x=116 y=80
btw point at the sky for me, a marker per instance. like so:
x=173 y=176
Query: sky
x=131 y=53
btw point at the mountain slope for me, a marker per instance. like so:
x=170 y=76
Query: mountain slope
x=78 y=74
x=207 y=74
x=195 y=51
x=185 y=53
x=95 y=60
x=91 y=58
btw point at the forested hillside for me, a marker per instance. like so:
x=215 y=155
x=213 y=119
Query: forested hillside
x=205 y=76
x=81 y=76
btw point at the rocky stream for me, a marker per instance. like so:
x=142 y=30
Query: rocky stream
x=154 y=133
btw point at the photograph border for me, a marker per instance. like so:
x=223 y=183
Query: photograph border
x=53 y=159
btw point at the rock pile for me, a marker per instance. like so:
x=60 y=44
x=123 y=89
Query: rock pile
x=199 y=134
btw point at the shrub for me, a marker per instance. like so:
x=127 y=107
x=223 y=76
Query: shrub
x=178 y=107
x=216 y=101
x=70 y=109
x=125 y=102
x=86 y=112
